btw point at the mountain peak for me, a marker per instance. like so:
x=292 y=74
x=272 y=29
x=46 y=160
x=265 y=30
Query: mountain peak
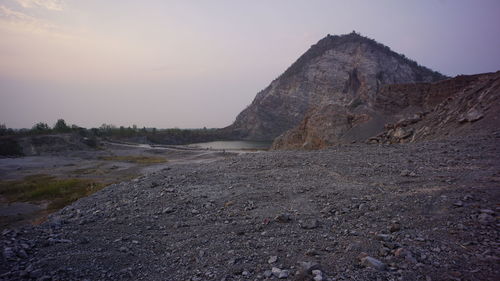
x=330 y=42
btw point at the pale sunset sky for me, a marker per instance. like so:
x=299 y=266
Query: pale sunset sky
x=191 y=64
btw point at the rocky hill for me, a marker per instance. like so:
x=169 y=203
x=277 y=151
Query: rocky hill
x=339 y=73
x=405 y=113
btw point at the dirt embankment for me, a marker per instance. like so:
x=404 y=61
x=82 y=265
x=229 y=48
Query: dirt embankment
x=419 y=211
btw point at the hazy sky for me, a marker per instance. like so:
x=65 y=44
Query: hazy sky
x=191 y=64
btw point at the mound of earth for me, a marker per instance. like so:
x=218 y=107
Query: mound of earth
x=417 y=211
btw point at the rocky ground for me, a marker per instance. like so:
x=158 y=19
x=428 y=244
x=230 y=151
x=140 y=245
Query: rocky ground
x=108 y=164
x=420 y=211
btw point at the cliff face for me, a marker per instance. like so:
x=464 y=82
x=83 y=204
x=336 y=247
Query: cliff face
x=402 y=113
x=464 y=105
x=339 y=73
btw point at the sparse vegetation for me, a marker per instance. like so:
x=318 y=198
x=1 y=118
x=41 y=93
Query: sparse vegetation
x=59 y=191
x=138 y=159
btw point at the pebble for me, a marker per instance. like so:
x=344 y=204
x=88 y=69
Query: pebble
x=318 y=275
x=167 y=210
x=309 y=224
x=404 y=173
x=8 y=253
x=273 y=259
x=283 y=218
x=275 y=271
x=284 y=274
x=395 y=226
x=372 y=262
x=318 y=278
x=384 y=237
x=485 y=218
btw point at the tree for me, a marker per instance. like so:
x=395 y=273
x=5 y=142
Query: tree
x=61 y=126
x=40 y=127
x=3 y=130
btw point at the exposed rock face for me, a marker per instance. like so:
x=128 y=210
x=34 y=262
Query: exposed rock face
x=463 y=105
x=321 y=128
x=405 y=113
x=346 y=71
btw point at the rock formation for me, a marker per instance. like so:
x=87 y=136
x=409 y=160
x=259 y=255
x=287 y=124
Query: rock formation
x=339 y=74
x=463 y=105
x=404 y=113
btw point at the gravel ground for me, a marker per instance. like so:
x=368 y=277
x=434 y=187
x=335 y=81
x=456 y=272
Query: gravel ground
x=425 y=211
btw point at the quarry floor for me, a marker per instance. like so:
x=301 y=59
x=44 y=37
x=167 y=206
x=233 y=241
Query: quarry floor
x=421 y=211
x=111 y=163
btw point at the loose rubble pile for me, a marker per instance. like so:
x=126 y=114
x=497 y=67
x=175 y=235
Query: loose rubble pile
x=420 y=211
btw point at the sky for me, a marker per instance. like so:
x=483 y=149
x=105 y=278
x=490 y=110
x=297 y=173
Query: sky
x=198 y=63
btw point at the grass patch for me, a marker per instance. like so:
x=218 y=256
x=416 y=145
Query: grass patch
x=138 y=159
x=60 y=192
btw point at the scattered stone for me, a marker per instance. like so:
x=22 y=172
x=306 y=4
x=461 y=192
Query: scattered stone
x=276 y=271
x=471 y=116
x=83 y=240
x=309 y=224
x=401 y=133
x=283 y=274
x=35 y=274
x=309 y=266
x=395 y=227
x=485 y=218
x=318 y=278
x=312 y=252
x=384 y=237
x=372 y=262
x=458 y=204
x=405 y=173
x=8 y=253
x=273 y=259
x=487 y=211
x=384 y=251
x=283 y=218
x=404 y=253
x=167 y=210
x=318 y=275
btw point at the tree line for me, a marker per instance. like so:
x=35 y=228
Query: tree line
x=133 y=133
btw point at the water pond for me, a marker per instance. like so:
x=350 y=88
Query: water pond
x=233 y=145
